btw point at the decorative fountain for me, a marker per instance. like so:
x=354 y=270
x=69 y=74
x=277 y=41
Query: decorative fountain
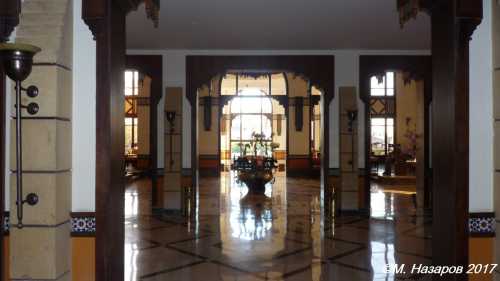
x=256 y=170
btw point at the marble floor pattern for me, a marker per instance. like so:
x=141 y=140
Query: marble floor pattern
x=280 y=237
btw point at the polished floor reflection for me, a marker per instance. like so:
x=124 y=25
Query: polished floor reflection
x=279 y=236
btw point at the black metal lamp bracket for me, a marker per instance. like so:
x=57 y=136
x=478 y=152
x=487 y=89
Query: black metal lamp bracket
x=17 y=62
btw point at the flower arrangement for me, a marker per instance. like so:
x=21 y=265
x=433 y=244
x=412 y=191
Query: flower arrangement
x=256 y=170
x=258 y=145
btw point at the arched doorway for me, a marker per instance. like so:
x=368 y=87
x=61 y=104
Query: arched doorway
x=317 y=70
x=378 y=75
x=248 y=107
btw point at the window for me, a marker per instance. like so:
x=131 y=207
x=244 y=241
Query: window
x=382 y=85
x=382 y=135
x=130 y=135
x=131 y=83
x=382 y=113
x=251 y=110
x=131 y=122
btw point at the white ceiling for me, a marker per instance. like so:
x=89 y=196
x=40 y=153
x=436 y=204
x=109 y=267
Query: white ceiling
x=277 y=24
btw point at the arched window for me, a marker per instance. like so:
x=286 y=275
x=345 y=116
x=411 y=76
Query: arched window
x=251 y=109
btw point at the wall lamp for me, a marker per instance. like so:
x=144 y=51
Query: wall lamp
x=171 y=120
x=351 y=117
x=17 y=63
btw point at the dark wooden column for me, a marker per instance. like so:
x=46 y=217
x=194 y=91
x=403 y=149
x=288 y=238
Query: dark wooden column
x=453 y=22
x=9 y=19
x=106 y=19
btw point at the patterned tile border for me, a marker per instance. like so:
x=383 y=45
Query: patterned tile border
x=482 y=224
x=83 y=224
x=6 y=222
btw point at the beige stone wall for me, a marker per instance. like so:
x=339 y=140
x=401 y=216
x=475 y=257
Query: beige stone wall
x=297 y=86
x=173 y=150
x=208 y=140
x=143 y=117
x=406 y=107
x=348 y=153
x=279 y=119
x=42 y=250
x=298 y=140
x=317 y=127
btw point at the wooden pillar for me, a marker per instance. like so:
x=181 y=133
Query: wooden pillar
x=453 y=22
x=106 y=20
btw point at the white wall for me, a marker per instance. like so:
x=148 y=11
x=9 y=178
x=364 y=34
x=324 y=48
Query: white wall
x=481 y=116
x=8 y=98
x=346 y=74
x=84 y=132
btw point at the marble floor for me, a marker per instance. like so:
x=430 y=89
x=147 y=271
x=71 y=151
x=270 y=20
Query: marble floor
x=277 y=237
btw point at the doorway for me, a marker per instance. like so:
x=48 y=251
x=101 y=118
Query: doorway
x=397 y=95
x=137 y=123
x=248 y=109
x=398 y=144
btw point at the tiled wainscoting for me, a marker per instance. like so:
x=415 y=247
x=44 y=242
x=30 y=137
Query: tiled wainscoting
x=481 y=242
x=83 y=246
x=82 y=243
x=6 y=274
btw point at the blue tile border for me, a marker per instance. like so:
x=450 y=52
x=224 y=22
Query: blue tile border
x=6 y=222
x=83 y=224
x=482 y=224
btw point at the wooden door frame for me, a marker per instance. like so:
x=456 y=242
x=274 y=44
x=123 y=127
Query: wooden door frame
x=453 y=22
x=418 y=68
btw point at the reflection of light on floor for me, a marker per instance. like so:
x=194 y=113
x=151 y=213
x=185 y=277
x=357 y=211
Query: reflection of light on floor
x=382 y=256
x=131 y=204
x=382 y=205
x=131 y=253
x=249 y=222
x=250 y=226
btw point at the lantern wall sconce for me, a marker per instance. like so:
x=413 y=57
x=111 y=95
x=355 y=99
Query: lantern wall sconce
x=17 y=64
x=171 y=120
x=351 y=117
